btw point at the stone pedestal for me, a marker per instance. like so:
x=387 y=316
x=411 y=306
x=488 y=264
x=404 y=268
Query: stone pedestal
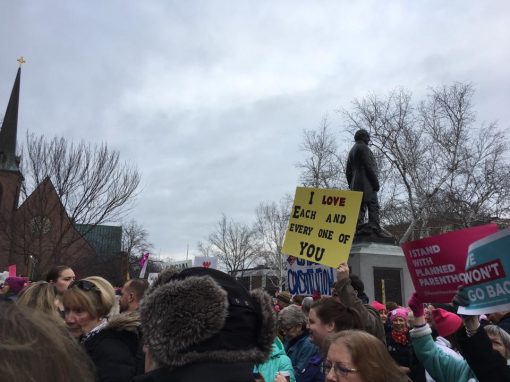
x=374 y=262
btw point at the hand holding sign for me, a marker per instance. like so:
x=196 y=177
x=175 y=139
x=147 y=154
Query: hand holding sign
x=342 y=272
x=416 y=305
x=461 y=297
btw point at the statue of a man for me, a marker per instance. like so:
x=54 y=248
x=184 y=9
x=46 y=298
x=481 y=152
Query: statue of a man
x=361 y=173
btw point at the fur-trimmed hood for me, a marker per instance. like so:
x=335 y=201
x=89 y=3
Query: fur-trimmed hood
x=129 y=321
x=204 y=315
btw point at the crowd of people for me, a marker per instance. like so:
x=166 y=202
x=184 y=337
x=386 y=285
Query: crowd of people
x=203 y=325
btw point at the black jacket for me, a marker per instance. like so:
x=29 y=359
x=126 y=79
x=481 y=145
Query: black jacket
x=115 y=350
x=206 y=371
x=487 y=364
x=404 y=355
x=504 y=323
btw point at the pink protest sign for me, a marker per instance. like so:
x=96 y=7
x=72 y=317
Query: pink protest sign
x=12 y=270
x=437 y=263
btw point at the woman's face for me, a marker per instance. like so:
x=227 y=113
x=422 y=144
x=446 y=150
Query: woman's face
x=64 y=280
x=318 y=329
x=293 y=332
x=339 y=365
x=498 y=345
x=79 y=321
x=384 y=315
x=399 y=324
x=428 y=314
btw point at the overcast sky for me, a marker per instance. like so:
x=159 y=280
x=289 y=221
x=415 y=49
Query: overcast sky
x=210 y=98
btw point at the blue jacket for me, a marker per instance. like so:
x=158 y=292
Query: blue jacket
x=306 y=358
x=441 y=366
x=278 y=361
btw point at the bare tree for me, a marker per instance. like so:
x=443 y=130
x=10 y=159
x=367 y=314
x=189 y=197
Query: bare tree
x=322 y=166
x=66 y=185
x=135 y=241
x=233 y=244
x=438 y=159
x=270 y=226
x=93 y=185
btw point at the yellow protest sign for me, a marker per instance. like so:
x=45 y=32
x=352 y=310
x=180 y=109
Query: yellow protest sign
x=322 y=225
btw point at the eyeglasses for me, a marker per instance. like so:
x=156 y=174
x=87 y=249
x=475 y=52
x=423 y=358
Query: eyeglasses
x=338 y=369
x=85 y=285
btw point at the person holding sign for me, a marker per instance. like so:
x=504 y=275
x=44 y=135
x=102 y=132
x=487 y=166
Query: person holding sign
x=487 y=349
x=345 y=293
x=440 y=365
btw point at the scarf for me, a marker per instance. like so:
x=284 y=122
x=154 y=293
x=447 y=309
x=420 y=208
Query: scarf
x=102 y=324
x=400 y=337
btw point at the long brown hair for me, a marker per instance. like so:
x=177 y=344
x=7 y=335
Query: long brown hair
x=36 y=347
x=55 y=272
x=369 y=356
x=330 y=310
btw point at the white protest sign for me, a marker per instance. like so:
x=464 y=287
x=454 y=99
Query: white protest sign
x=206 y=262
x=306 y=277
x=181 y=265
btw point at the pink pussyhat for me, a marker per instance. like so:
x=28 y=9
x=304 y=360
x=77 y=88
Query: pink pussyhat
x=377 y=305
x=446 y=322
x=399 y=312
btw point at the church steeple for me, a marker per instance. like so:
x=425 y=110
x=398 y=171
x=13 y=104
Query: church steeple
x=8 y=159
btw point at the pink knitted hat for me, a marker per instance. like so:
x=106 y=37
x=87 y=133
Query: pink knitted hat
x=446 y=322
x=377 y=305
x=399 y=312
x=16 y=284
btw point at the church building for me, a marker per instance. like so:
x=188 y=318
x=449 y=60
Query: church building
x=36 y=234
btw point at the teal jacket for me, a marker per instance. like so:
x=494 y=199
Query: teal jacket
x=441 y=366
x=278 y=361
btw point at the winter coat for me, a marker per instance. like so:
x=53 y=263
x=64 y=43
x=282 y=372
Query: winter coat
x=486 y=363
x=441 y=366
x=445 y=346
x=314 y=371
x=278 y=361
x=370 y=317
x=202 y=372
x=361 y=170
x=114 y=350
x=306 y=358
x=404 y=356
x=504 y=323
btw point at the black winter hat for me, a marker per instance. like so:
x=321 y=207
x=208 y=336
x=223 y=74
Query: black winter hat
x=203 y=314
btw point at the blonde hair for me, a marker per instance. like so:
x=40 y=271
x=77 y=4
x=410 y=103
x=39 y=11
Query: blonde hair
x=369 y=355
x=40 y=296
x=97 y=302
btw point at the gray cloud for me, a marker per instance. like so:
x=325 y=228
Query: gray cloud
x=209 y=99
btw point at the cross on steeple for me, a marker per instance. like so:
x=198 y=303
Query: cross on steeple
x=8 y=132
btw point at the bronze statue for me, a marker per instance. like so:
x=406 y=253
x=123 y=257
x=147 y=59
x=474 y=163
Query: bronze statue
x=361 y=173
